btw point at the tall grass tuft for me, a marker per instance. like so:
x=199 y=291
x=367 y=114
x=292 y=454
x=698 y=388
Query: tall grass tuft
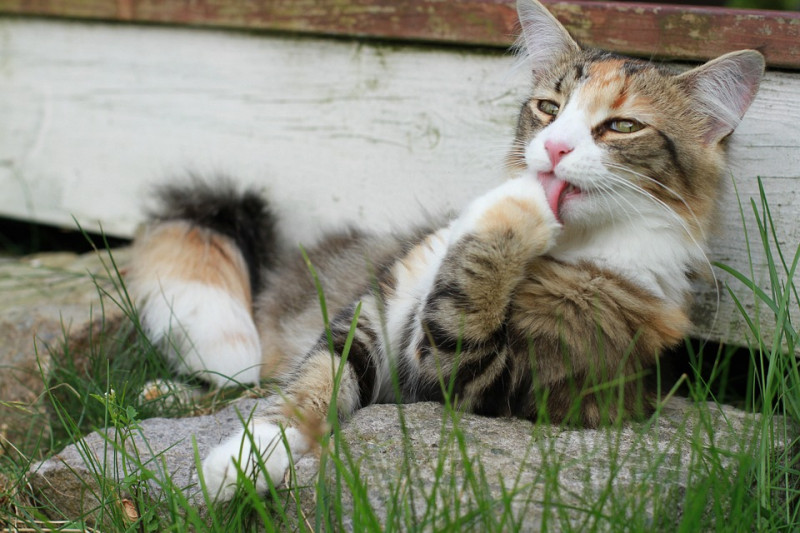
x=776 y=369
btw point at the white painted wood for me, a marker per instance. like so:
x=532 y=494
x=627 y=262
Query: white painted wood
x=91 y=114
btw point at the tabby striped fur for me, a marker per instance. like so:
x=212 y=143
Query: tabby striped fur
x=547 y=298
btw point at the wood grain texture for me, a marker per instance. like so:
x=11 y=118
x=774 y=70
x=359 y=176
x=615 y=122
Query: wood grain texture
x=336 y=132
x=665 y=31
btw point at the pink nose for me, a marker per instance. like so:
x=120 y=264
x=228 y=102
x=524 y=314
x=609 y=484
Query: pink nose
x=556 y=150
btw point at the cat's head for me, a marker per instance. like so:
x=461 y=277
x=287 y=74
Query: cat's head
x=614 y=138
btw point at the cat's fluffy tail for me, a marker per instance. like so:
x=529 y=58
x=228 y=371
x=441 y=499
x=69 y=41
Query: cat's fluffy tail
x=195 y=270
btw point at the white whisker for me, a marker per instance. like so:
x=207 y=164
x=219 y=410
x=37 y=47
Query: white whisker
x=607 y=179
x=671 y=191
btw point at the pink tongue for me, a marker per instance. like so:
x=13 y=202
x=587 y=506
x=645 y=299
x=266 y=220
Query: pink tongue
x=554 y=189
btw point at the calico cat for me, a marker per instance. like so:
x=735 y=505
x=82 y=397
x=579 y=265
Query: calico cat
x=546 y=298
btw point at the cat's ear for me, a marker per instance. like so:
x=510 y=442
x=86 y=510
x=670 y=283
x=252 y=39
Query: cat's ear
x=724 y=88
x=544 y=40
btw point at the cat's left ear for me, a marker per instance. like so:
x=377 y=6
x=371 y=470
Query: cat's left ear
x=544 y=41
x=724 y=88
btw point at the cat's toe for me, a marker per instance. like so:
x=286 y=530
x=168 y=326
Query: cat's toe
x=517 y=208
x=220 y=470
x=262 y=455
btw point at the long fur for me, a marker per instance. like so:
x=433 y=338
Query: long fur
x=547 y=298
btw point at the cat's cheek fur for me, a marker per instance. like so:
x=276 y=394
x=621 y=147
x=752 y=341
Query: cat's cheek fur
x=204 y=329
x=265 y=449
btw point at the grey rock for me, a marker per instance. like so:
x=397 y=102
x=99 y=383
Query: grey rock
x=530 y=475
x=534 y=474
x=43 y=298
x=90 y=478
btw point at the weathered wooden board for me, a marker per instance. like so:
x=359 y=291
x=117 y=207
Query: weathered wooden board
x=681 y=32
x=336 y=131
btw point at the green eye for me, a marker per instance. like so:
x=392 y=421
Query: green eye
x=624 y=125
x=548 y=107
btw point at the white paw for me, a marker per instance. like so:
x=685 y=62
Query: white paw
x=525 y=189
x=265 y=451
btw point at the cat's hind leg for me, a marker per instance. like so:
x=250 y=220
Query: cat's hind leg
x=297 y=416
x=192 y=278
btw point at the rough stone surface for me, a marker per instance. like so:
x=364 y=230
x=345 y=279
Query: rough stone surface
x=537 y=465
x=562 y=470
x=73 y=479
x=42 y=298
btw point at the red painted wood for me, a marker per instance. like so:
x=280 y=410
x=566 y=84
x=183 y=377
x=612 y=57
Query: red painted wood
x=665 y=31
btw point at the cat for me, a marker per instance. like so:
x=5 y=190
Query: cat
x=548 y=297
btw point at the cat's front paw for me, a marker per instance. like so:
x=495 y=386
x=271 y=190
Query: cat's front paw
x=265 y=450
x=517 y=207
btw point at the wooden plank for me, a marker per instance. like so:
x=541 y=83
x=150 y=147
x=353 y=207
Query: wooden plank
x=682 y=32
x=337 y=132
x=665 y=31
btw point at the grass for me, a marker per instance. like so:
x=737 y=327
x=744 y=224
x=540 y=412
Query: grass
x=748 y=484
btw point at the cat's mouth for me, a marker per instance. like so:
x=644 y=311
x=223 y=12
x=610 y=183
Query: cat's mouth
x=558 y=192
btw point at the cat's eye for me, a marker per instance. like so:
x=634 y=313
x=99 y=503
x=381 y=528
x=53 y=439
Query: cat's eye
x=548 y=107
x=624 y=125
